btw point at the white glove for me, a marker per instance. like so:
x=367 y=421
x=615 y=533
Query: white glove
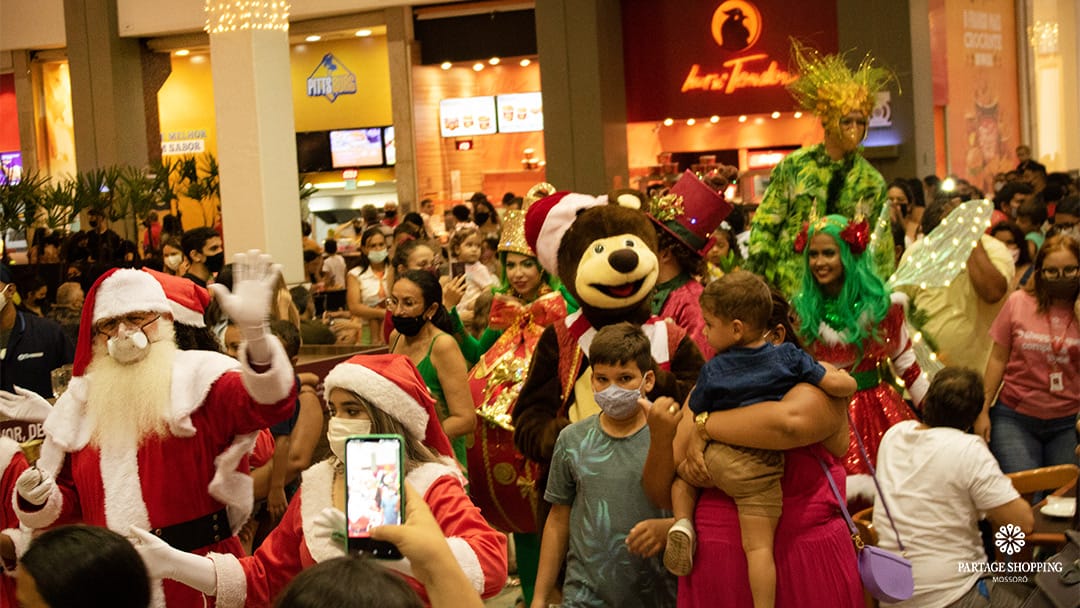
x=255 y=278
x=24 y=405
x=35 y=486
x=330 y=523
x=163 y=561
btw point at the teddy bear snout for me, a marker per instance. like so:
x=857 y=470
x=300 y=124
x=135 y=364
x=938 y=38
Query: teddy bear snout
x=623 y=260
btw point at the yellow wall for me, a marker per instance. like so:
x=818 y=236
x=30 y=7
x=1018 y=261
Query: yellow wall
x=186 y=101
x=367 y=59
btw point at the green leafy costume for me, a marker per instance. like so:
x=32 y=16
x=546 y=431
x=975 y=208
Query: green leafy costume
x=807 y=185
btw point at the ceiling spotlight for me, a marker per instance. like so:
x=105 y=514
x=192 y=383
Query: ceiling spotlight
x=493 y=61
x=690 y=122
x=183 y=53
x=776 y=114
x=714 y=119
x=797 y=114
x=363 y=33
x=446 y=65
x=524 y=63
x=668 y=122
x=313 y=38
x=742 y=118
x=477 y=66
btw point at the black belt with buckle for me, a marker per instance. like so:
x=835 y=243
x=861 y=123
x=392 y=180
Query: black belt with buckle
x=196 y=533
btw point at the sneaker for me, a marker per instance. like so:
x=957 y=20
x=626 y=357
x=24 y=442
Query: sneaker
x=679 y=553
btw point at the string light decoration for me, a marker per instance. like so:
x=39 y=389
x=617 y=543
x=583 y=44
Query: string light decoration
x=240 y=15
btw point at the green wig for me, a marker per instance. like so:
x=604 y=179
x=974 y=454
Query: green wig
x=863 y=300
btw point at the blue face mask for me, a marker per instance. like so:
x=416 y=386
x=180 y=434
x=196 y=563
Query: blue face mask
x=617 y=402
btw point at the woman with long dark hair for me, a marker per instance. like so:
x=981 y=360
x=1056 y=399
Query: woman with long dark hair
x=423 y=333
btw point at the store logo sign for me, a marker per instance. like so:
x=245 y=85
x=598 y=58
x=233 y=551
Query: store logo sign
x=736 y=25
x=331 y=79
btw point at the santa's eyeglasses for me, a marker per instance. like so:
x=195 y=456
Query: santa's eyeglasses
x=109 y=327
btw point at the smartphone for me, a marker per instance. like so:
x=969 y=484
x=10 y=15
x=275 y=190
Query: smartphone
x=374 y=491
x=457 y=269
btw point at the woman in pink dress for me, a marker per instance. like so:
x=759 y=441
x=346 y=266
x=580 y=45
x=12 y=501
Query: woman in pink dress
x=815 y=558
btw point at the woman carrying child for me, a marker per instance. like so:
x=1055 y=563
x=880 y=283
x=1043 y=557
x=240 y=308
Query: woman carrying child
x=814 y=557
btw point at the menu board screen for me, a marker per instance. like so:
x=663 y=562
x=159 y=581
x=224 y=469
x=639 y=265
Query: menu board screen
x=356 y=148
x=520 y=112
x=463 y=116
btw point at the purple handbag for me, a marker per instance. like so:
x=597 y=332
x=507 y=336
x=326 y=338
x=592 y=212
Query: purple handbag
x=886 y=576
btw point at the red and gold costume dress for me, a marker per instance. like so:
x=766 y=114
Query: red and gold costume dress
x=877 y=404
x=502 y=481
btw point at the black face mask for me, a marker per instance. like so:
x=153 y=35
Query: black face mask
x=1062 y=289
x=93 y=223
x=391 y=214
x=408 y=326
x=482 y=218
x=215 y=262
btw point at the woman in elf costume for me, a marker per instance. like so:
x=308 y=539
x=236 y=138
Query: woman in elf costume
x=502 y=481
x=849 y=319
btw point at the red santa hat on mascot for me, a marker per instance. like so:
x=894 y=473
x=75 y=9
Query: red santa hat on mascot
x=548 y=219
x=392 y=384
x=119 y=291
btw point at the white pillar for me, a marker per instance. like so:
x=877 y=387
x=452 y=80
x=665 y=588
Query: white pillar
x=260 y=203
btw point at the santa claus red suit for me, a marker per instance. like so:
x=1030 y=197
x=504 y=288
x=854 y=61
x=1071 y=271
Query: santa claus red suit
x=150 y=437
x=12 y=464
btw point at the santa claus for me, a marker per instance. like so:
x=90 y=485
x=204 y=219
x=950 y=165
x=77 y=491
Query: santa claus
x=151 y=437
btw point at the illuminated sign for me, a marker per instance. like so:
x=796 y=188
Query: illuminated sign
x=330 y=79
x=763 y=159
x=725 y=57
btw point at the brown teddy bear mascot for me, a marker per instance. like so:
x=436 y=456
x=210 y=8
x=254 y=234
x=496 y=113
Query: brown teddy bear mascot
x=605 y=256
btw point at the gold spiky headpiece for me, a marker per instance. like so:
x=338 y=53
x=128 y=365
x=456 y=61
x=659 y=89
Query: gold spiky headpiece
x=831 y=90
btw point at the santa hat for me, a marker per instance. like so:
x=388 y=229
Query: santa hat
x=548 y=219
x=187 y=300
x=392 y=384
x=119 y=291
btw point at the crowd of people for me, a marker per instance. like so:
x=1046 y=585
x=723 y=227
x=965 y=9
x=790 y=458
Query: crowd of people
x=645 y=402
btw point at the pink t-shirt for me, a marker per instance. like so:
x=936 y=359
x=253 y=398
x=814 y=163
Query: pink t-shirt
x=1039 y=344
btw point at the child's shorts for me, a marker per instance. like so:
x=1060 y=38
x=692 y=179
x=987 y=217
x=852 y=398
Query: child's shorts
x=751 y=477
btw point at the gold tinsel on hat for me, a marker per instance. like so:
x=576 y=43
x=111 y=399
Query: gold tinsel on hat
x=831 y=90
x=512 y=238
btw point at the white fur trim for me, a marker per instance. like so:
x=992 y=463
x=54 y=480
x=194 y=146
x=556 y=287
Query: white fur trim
x=229 y=486
x=231 y=581
x=381 y=392
x=424 y=476
x=20 y=537
x=126 y=291
x=316 y=491
x=8 y=448
x=69 y=425
x=124 y=503
x=194 y=373
x=830 y=336
x=470 y=564
x=51 y=457
x=43 y=517
x=185 y=315
x=901 y=298
x=861 y=486
x=274 y=384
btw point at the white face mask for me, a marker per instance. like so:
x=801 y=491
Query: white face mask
x=340 y=429
x=173 y=261
x=619 y=403
x=128 y=346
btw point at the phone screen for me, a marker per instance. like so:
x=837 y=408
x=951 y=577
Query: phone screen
x=457 y=269
x=373 y=491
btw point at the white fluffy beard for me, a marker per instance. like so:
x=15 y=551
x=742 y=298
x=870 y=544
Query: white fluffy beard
x=131 y=401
